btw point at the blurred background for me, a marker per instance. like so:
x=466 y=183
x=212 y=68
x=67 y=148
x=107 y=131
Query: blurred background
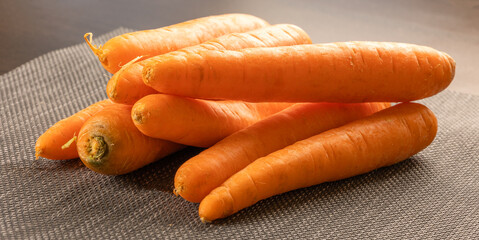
x=30 y=28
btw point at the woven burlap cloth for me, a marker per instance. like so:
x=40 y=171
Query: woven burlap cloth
x=432 y=195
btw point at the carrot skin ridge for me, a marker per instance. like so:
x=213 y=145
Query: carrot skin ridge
x=148 y=43
x=49 y=144
x=109 y=143
x=126 y=86
x=380 y=140
x=200 y=174
x=335 y=72
x=193 y=122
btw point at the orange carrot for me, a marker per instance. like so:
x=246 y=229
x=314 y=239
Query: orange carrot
x=148 y=43
x=334 y=72
x=199 y=123
x=382 y=139
x=126 y=86
x=110 y=144
x=209 y=169
x=53 y=143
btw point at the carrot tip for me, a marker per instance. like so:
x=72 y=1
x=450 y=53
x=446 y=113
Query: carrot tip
x=203 y=220
x=88 y=38
x=38 y=151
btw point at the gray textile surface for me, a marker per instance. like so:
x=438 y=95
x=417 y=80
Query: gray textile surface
x=434 y=194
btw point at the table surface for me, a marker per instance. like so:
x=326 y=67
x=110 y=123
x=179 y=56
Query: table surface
x=29 y=29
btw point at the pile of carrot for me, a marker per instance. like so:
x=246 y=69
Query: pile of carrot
x=273 y=111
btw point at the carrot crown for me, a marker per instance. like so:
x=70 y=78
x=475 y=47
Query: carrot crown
x=97 y=150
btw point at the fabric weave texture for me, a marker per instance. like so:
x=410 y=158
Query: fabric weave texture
x=432 y=195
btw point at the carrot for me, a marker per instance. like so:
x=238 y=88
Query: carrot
x=334 y=72
x=199 y=123
x=109 y=143
x=126 y=86
x=209 y=169
x=382 y=139
x=53 y=143
x=148 y=43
